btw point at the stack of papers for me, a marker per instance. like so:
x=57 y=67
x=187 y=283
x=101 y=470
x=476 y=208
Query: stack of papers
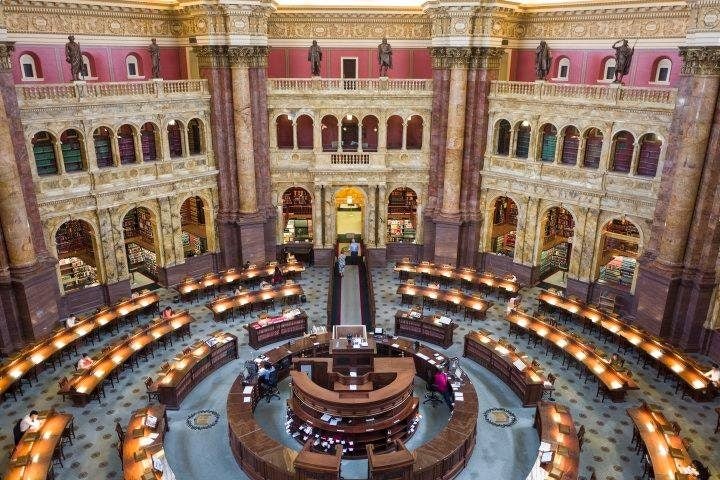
x=326 y=417
x=444 y=320
x=459 y=396
x=247 y=390
x=424 y=357
x=519 y=364
x=353 y=387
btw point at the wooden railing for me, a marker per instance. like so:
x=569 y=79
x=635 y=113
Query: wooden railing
x=93 y=92
x=279 y=85
x=608 y=94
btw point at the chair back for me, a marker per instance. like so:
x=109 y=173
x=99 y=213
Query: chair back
x=272 y=378
x=148 y=383
x=120 y=433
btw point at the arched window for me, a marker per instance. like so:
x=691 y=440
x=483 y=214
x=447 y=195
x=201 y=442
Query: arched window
x=620 y=246
x=662 y=71
x=370 y=133
x=414 y=134
x=192 y=221
x=174 y=134
x=623 y=146
x=76 y=255
x=402 y=215
x=350 y=133
x=30 y=67
x=102 y=138
x=549 y=143
x=88 y=68
x=503 y=137
x=522 y=142
x=593 y=148
x=195 y=137
x=395 y=127
x=297 y=215
x=571 y=143
x=44 y=152
x=132 y=66
x=504 y=227
x=284 y=132
x=71 y=146
x=329 y=133
x=609 y=70
x=649 y=155
x=126 y=144
x=148 y=141
x=304 y=132
x=563 y=71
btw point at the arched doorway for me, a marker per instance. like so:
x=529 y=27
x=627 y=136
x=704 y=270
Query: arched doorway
x=297 y=215
x=557 y=229
x=349 y=221
x=139 y=232
x=620 y=249
x=76 y=255
x=402 y=215
x=194 y=228
x=504 y=227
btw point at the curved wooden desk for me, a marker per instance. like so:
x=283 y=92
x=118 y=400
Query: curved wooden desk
x=555 y=426
x=142 y=442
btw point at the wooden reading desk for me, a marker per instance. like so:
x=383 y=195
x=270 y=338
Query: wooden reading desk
x=686 y=369
x=26 y=361
x=615 y=382
x=223 y=307
x=32 y=458
x=513 y=368
x=555 y=427
x=85 y=384
x=142 y=443
x=668 y=456
x=474 y=306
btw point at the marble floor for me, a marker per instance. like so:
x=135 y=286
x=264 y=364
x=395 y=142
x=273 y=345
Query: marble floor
x=504 y=453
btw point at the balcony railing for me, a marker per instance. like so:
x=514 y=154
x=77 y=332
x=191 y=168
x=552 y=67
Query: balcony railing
x=607 y=94
x=350 y=159
x=93 y=92
x=279 y=85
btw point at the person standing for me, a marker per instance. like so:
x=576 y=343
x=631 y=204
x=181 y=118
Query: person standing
x=354 y=252
x=277 y=277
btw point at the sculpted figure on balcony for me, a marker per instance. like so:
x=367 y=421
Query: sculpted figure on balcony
x=154 y=50
x=314 y=57
x=623 y=57
x=542 y=60
x=73 y=56
x=384 y=57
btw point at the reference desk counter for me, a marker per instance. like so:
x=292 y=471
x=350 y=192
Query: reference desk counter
x=27 y=360
x=682 y=366
x=267 y=330
x=193 y=365
x=142 y=448
x=32 y=459
x=557 y=431
x=469 y=276
x=430 y=328
x=224 y=307
x=670 y=460
x=615 y=382
x=86 y=383
x=474 y=305
x=513 y=368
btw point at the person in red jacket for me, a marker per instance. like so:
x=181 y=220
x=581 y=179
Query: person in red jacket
x=442 y=385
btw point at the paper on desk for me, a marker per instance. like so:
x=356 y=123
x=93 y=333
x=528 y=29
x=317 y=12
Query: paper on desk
x=444 y=320
x=353 y=374
x=247 y=390
x=459 y=396
x=423 y=356
x=247 y=399
x=353 y=387
x=519 y=364
x=395 y=345
x=326 y=417
x=544 y=447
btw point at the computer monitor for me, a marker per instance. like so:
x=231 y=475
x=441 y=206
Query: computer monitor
x=378 y=331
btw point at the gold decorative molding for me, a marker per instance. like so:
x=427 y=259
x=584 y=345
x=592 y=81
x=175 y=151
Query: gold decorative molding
x=704 y=16
x=223 y=56
x=700 y=60
x=6 y=49
x=472 y=57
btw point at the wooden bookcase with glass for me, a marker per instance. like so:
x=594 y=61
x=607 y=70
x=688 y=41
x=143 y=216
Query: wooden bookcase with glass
x=402 y=215
x=297 y=216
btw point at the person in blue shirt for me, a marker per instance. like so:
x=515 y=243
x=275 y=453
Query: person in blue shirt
x=354 y=251
x=265 y=371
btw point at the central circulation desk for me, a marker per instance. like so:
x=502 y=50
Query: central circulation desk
x=467 y=275
x=265 y=331
x=682 y=366
x=223 y=307
x=30 y=357
x=614 y=381
x=513 y=368
x=86 y=382
x=474 y=306
x=32 y=459
x=431 y=328
x=142 y=444
x=193 y=365
x=555 y=426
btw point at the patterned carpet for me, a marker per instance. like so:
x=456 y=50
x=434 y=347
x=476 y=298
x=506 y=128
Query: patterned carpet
x=607 y=449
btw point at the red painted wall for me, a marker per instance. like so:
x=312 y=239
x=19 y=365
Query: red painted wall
x=586 y=66
x=292 y=62
x=108 y=63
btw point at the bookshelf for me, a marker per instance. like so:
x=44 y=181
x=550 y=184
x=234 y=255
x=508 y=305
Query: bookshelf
x=71 y=151
x=44 y=153
x=619 y=271
x=549 y=144
x=194 y=141
x=76 y=274
x=402 y=215
x=623 y=151
x=555 y=258
x=103 y=148
x=571 y=143
x=126 y=147
x=140 y=243
x=147 y=142
x=649 y=156
x=559 y=223
x=522 y=146
x=620 y=251
x=593 y=150
x=423 y=327
x=175 y=140
x=503 y=142
x=297 y=215
x=504 y=226
x=273 y=329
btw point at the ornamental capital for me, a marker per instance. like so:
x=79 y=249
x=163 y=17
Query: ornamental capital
x=700 y=60
x=248 y=56
x=472 y=57
x=6 y=49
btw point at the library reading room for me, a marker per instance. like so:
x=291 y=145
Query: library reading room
x=360 y=239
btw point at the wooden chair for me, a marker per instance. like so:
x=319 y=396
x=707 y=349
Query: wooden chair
x=549 y=386
x=64 y=387
x=151 y=392
x=581 y=436
x=121 y=435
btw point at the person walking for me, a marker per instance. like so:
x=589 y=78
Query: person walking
x=341 y=262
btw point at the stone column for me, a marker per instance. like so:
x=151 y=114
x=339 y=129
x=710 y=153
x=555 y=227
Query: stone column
x=318 y=217
x=29 y=296
x=662 y=265
x=382 y=216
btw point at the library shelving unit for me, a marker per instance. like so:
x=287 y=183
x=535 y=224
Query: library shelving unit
x=522 y=149
x=103 y=148
x=571 y=144
x=76 y=259
x=622 y=152
x=549 y=144
x=44 y=153
x=175 y=140
x=126 y=145
x=267 y=330
x=194 y=140
x=557 y=242
x=593 y=149
x=402 y=215
x=620 y=252
x=194 y=233
x=147 y=142
x=139 y=242
x=649 y=156
x=76 y=274
x=297 y=215
x=71 y=151
x=430 y=328
x=504 y=226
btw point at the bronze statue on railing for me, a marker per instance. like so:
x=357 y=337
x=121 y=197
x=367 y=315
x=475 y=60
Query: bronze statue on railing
x=623 y=57
x=384 y=57
x=154 y=50
x=542 y=60
x=315 y=57
x=73 y=56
